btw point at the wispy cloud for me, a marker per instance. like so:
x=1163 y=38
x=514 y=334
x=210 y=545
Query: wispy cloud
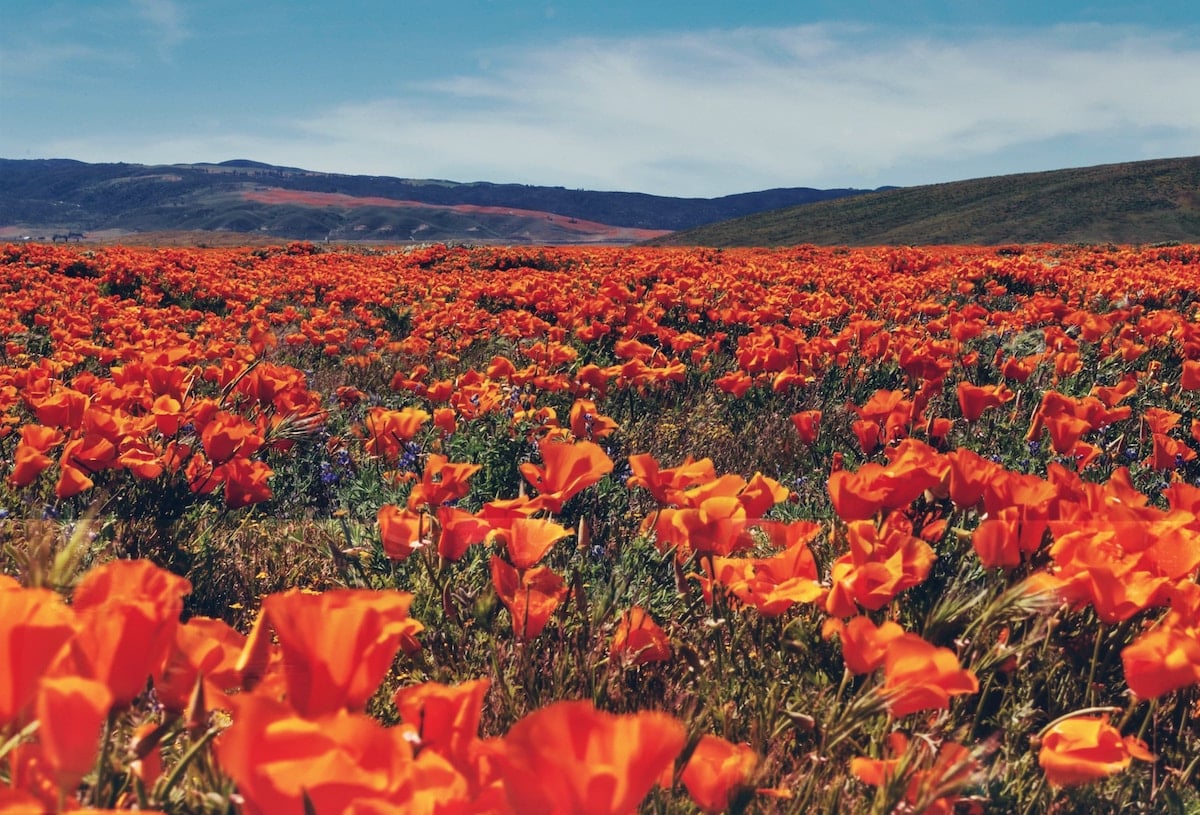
x=26 y=60
x=719 y=112
x=86 y=45
x=166 y=22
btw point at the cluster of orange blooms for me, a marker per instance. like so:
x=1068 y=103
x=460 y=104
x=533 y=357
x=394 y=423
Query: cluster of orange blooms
x=297 y=699
x=187 y=366
x=299 y=730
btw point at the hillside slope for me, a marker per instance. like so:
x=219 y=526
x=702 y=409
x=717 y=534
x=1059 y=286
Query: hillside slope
x=1136 y=202
x=42 y=197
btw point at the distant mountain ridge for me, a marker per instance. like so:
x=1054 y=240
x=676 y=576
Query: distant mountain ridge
x=1130 y=203
x=43 y=196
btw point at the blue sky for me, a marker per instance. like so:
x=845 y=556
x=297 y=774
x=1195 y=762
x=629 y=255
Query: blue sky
x=696 y=98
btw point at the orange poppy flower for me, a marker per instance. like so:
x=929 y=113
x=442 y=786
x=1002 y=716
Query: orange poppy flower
x=640 y=639
x=570 y=757
x=401 y=531
x=64 y=408
x=1162 y=660
x=245 y=481
x=668 y=486
x=869 y=435
x=588 y=423
x=1167 y=453
x=718 y=526
x=18 y=802
x=973 y=400
x=34 y=626
x=128 y=611
x=1112 y=395
x=530 y=595
x=337 y=645
x=459 y=529
x=759 y=494
x=1083 y=749
x=857 y=495
x=1190 y=377
x=864 y=645
x=879 y=771
x=736 y=383
x=1065 y=431
x=1019 y=370
x=279 y=759
x=527 y=540
x=717 y=772
x=441 y=482
x=204 y=647
x=226 y=435
x=1160 y=420
x=446 y=717
x=388 y=430
x=566 y=470
x=445 y=420
x=1119 y=575
x=70 y=710
x=934 y=781
x=1168 y=657
x=593 y=380
x=30 y=459
x=1030 y=502
x=919 y=676
x=72 y=479
x=142 y=458
x=1008 y=535
x=774 y=584
x=808 y=425
x=968 y=476
x=882 y=562
x=913 y=467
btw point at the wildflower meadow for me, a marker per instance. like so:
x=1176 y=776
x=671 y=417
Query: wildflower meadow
x=449 y=530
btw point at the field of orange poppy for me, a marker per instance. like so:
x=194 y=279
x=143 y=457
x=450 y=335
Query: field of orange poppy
x=510 y=530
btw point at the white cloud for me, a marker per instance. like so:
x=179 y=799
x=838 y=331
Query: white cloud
x=65 y=47
x=721 y=112
x=165 y=19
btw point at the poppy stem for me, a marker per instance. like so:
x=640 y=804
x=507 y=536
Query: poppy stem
x=983 y=693
x=110 y=722
x=182 y=765
x=1087 y=711
x=1038 y=785
x=1088 y=689
x=17 y=738
x=837 y=699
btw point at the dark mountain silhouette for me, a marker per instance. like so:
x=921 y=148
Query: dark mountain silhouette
x=51 y=196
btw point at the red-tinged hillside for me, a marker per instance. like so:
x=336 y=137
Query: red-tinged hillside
x=542 y=227
x=139 y=203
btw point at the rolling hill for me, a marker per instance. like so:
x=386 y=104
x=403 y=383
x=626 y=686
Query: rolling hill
x=1136 y=202
x=45 y=197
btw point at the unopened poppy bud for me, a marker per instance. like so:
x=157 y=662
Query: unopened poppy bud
x=195 y=718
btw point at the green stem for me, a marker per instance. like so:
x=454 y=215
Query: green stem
x=19 y=737
x=837 y=699
x=983 y=692
x=181 y=766
x=1087 y=711
x=1033 y=798
x=1088 y=691
x=110 y=723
